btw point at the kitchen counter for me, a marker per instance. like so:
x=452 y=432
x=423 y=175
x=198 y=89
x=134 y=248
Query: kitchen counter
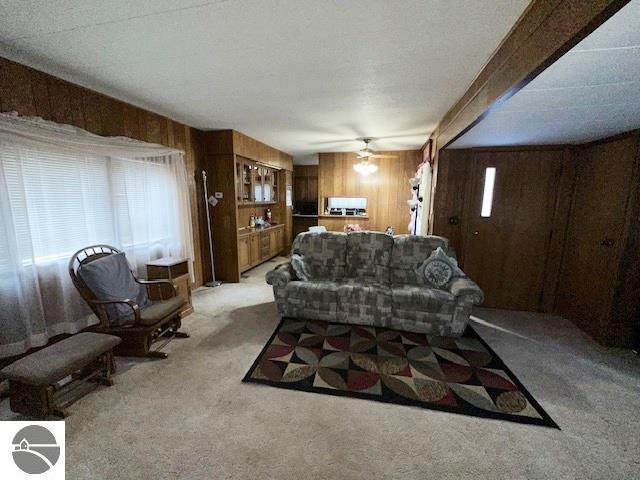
x=344 y=216
x=301 y=215
x=244 y=231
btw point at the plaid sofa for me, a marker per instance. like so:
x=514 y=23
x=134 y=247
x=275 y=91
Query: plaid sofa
x=371 y=278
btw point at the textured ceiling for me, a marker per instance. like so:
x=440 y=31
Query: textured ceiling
x=592 y=92
x=302 y=75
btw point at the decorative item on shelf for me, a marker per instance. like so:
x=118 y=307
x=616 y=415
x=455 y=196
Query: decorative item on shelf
x=252 y=221
x=268 y=215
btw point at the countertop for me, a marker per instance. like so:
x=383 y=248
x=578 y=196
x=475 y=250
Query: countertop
x=242 y=232
x=300 y=215
x=366 y=217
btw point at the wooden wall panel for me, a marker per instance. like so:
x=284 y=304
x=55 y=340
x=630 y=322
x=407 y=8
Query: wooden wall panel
x=598 y=288
x=387 y=190
x=30 y=92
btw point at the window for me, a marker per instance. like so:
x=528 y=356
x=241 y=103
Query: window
x=487 y=195
x=61 y=202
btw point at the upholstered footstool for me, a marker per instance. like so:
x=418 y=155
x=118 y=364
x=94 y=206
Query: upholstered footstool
x=34 y=387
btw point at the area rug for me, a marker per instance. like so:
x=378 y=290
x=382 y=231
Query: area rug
x=459 y=375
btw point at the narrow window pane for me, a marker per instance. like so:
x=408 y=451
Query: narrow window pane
x=487 y=196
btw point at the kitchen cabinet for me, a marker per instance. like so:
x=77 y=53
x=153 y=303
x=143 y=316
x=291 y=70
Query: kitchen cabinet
x=258 y=246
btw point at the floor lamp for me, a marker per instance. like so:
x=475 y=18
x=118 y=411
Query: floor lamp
x=209 y=201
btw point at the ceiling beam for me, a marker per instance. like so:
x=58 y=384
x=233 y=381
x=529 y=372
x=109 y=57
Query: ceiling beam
x=545 y=31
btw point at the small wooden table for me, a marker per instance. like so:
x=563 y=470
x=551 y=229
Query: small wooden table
x=176 y=270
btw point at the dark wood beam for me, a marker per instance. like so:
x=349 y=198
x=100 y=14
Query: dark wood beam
x=545 y=31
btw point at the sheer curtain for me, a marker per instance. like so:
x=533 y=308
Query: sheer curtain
x=61 y=189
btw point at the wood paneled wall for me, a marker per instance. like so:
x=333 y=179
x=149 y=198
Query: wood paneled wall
x=387 y=190
x=599 y=287
x=31 y=92
x=592 y=260
x=220 y=150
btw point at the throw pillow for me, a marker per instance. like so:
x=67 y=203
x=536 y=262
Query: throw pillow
x=439 y=268
x=300 y=269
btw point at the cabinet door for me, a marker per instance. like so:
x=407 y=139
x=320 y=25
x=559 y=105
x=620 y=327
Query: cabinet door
x=267 y=185
x=265 y=243
x=255 y=249
x=258 y=180
x=280 y=240
x=312 y=189
x=273 y=242
x=244 y=256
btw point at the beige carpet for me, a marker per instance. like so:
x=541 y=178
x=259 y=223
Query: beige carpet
x=190 y=417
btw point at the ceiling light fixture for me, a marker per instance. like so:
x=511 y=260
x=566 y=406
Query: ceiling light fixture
x=364 y=167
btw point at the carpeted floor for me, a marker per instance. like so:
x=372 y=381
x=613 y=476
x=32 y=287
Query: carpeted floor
x=191 y=417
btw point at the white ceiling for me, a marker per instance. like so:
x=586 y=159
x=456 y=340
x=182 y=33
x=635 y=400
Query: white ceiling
x=301 y=75
x=591 y=92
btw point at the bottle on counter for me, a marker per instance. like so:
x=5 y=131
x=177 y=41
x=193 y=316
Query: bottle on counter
x=268 y=215
x=252 y=221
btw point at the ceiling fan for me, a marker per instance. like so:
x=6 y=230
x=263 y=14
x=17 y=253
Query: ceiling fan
x=364 y=155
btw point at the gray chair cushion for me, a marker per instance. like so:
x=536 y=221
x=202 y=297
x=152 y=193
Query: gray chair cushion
x=368 y=255
x=110 y=278
x=324 y=254
x=56 y=361
x=157 y=310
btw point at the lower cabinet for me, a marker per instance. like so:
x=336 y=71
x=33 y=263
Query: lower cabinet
x=255 y=249
x=244 y=253
x=258 y=247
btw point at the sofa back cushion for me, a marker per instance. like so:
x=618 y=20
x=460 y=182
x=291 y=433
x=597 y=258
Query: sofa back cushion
x=368 y=256
x=409 y=252
x=324 y=254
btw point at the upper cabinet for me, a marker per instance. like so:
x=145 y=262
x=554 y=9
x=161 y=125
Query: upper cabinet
x=255 y=183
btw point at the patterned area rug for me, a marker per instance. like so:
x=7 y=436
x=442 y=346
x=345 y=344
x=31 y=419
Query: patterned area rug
x=459 y=375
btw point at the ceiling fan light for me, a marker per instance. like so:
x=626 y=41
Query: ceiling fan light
x=365 y=168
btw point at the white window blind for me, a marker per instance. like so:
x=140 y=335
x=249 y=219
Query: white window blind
x=61 y=202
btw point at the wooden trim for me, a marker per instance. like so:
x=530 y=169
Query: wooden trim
x=545 y=31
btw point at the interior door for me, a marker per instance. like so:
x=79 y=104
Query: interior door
x=594 y=243
x=508 y=232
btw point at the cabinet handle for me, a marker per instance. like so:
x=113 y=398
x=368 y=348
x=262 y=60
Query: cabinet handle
x=607 y=242
x=476 y=232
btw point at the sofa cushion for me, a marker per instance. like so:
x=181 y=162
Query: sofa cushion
x=309 y=299
x=424 y=299
x=364 y=304
x=368 y=256
x=409 y=252
x=110 y=278
x=324 y=254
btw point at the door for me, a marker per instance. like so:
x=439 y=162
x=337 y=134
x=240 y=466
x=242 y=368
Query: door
x=510 y=223
x=244 y=255
x=594 y=235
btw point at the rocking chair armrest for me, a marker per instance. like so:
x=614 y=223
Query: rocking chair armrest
x=133 y=305
x=159 y=283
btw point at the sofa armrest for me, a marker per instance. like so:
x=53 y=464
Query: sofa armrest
x=465 y=287
x=279 y=276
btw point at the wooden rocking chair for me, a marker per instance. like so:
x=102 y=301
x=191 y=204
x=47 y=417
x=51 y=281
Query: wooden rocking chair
x=144 y=325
